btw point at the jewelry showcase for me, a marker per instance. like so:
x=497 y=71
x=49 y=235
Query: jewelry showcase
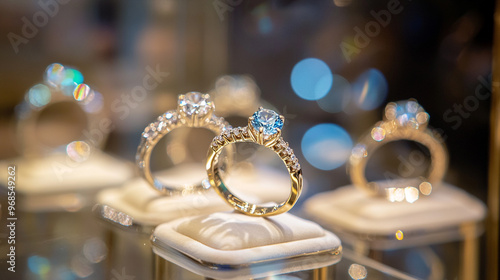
x=266 y=140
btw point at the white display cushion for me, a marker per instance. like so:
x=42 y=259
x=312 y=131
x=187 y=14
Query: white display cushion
x=432 y=219
x=230 y=244
x=57 y=174
x=140 y=204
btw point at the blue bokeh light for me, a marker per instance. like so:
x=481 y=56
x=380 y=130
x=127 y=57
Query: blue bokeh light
x=326 y=146
x=38 y=265
x=370 y=89
x=311 y=79
x=338 y=97
x=73 y=75
x=39 y=95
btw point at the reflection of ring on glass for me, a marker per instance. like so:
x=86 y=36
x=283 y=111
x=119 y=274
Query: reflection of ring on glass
x=194 y=110
x=62 y=85
x=264 y=128
x=405 y=120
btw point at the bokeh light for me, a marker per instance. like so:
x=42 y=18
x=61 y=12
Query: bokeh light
x=370 y=89
x=39 y=95
x=55 y=74
x=338 y=97
x=411 y=194
x=326 y=146
x=38 y=265
x=395 y=194
x=357 y=271
x=95 y=250
x=425 y=188
x=399 y=235
x=73 y=75
x=78 y=151
x=81 y=92
x=311 y=79
x=378 y=134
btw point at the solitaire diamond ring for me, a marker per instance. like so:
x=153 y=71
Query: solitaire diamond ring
x=194 y=109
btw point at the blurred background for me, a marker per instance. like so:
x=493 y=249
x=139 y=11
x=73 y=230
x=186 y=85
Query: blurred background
x=329 y=66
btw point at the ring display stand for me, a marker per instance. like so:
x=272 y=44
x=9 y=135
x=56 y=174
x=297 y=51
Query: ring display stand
x=135 y=209
x=374 y=225
x=231 y=245
x=54 y=183
x=54 y=206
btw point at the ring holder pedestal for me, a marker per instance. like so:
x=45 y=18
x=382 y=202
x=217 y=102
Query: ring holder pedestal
x=230 y=245
x=134 y=210
x=370 y=224
x=53 y=199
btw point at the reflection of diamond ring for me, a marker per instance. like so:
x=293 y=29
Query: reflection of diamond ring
x=61 y=84
x=264 y=128
x=405 y=120
x=193 y=110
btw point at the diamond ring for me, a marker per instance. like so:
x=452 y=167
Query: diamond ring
x=62 y=86
x=264 y=128
x=194 y=109
x=404 y=120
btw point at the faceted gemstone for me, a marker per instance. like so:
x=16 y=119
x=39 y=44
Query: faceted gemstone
x=269 y=120
x=195 y=103
x=237 y=131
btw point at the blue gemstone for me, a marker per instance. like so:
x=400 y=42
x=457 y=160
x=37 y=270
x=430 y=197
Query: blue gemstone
x=269 y=120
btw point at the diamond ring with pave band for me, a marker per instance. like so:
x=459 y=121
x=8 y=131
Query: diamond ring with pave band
x=264 y=128
x=194 y=109
x=404 y=120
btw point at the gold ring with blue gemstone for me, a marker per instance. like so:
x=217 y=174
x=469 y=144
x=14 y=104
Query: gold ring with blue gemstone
x=264 y=128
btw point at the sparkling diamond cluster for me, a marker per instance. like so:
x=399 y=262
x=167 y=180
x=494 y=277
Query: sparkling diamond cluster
x=171 y=120
x=403 y=114
x=191 y=104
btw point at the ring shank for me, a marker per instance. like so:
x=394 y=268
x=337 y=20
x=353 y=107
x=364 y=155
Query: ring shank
x=153 y=134
x=239 y=204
